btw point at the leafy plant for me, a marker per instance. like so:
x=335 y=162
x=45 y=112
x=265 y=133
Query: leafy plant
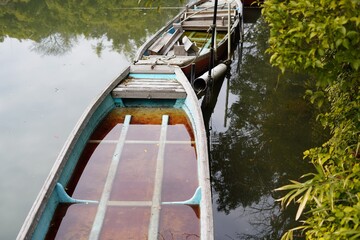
x=321 y=37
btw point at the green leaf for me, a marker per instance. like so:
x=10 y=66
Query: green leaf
x=346 y=43
x=338 y=42
x=355 y=64
x=321 y=52
x=288 y=187
x=313 y=34
x=352 y=34
x=348 y=209
x=342 y=30
x=303 y=203
x=319 y=64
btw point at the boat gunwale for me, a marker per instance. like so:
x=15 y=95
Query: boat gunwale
x=197 y=122
x=152 y=39
x=140 y=53
x=48 y=187
x=194 y=114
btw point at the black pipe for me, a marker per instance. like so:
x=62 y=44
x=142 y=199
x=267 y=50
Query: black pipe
x=192 y=74
x=213 y=29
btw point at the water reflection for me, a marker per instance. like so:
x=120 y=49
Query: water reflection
x=270 y=125
x=48 y=52
x=55 y=25
x=268 y=122
x=40 y=103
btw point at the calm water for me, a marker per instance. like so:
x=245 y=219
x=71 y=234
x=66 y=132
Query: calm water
x=56 y=58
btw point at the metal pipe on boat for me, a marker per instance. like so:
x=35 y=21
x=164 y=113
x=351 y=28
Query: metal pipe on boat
x=229 y=35
x=213 y=31
x=201 y=83
x=192 y=74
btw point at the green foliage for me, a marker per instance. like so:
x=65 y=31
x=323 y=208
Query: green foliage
x=322 y=37
x=332 y=193
x=318 y=35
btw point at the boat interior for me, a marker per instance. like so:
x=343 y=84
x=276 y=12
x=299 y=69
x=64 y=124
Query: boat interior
x=139 y=169
x=190 y=35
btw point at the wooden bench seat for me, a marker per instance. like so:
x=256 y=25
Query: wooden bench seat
x=204 y=25
x=149 y=89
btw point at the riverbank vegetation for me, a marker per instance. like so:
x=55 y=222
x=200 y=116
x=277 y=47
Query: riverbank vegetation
x=322 y=38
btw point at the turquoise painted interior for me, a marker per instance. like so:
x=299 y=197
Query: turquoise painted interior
x=42 y=227
x=105 y=107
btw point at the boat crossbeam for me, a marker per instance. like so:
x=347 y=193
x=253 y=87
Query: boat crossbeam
x=100 y=214
x=156 y=201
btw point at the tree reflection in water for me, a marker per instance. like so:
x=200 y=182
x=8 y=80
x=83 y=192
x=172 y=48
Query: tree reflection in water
x=269 y=127
x=56 y=25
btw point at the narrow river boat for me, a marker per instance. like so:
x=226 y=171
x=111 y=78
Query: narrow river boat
x=186 y=39
x=135 y=166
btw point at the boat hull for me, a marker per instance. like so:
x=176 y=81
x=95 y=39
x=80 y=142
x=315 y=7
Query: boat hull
x=180 y=33
x=117 y=174
x=202 y=62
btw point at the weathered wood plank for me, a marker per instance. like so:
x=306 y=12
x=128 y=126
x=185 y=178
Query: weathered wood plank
x=198 y=12
x=160 y=69
x=170 y=43
x=204 y=25
x=155 y=60
x=160 y=43
x=149 y=88
x=152 y=87
x=131 y=83
x=209 y=16
x=149 y=94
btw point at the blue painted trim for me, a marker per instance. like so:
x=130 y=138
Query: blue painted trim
x=45 y=220
x=171 y=30
x=119 y=102
x=65 y=198
x=179 y=103
x=104 y=108
x=153 y=76
x=129 y=102
x=195 y=200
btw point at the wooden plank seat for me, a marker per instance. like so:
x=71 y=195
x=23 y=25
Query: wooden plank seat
x=149 y=89
x=164 y=44
x=207 y=17
x=211 y=11
x=204 y=25
x=156 y=60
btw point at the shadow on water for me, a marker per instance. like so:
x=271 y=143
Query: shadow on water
x=270 y=124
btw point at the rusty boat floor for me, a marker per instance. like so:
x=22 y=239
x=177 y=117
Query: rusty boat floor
x=137 y=166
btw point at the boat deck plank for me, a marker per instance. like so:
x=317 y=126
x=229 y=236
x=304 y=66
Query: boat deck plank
x=100 y=214
x=149 y=88
x=204 y=25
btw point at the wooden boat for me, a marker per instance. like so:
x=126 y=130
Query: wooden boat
x=134 y=167
x=186 y=38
